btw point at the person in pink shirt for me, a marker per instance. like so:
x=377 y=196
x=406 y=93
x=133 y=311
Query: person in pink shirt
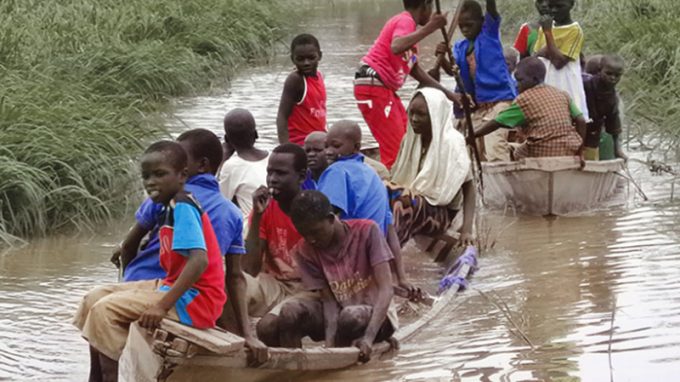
x=382 y=72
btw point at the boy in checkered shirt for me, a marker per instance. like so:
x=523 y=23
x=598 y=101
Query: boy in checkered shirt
x=547 y=119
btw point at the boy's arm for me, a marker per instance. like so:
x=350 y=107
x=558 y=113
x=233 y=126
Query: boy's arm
x=197 y=262
x=613 y=127
x=441 y=51
x=402 y=280
x=421 y=76
x=236 y=288
x=581 y=126
x=492 y=9
x=383 y=280
x=255 y=246
x=293 y=90
x=331 y=310
x=403 y=43
x=127 y=251
x=486 y=129
x=551 y=51
x=469 y=204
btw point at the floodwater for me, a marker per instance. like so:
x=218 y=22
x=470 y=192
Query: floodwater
x=589 y=298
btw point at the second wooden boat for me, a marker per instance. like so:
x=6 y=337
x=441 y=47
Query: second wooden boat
x=551 y=186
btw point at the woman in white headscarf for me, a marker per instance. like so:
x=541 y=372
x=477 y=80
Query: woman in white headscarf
x=432 y=177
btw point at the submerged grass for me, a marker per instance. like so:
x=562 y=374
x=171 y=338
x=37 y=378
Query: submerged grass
x=81 y=80
x=645 y=33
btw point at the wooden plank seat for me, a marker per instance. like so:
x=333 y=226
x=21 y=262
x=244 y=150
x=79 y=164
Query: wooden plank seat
x=174 y=338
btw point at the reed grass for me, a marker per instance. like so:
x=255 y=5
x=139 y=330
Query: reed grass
x=645 y=33
x=81 y=83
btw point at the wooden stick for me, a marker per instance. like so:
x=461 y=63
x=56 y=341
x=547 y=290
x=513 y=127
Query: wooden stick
x=452 y=30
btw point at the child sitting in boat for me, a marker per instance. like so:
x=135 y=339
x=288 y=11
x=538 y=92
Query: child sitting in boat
x=302 y=109
x=193 y=290
x=356 y=191
x=545 y=116
x=204 y=155
x=245 y=171
x=315 y=148
x=347 y=264
x=271 y=238
x=432 y=177
x=603 y=106
x=140 y=262
x=559 y=46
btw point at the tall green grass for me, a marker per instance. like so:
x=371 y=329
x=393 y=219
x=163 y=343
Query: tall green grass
x=646 y=34
x=81 y=83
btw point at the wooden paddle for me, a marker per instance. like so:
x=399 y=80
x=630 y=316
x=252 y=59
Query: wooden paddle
x=449 y=34
x=466 y=100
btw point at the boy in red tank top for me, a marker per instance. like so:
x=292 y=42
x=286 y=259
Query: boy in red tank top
x=302 y=109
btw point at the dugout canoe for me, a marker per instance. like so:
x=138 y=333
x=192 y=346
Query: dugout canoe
x=176 y=352
x=551 y=186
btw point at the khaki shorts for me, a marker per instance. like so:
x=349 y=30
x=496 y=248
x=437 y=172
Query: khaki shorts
x=106 y=312
x=495 y=145
x=266 y=294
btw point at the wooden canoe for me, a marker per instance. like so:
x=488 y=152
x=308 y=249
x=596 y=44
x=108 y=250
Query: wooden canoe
x=176 y=352
x=550 y=186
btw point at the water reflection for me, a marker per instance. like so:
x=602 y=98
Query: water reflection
x=560 y=280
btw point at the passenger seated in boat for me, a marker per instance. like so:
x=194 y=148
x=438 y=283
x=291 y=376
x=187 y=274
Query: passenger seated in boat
x=544 y=116
x=140 y=262
x=193 y=290
x=271 y=237
x=603 y=108
x=356 y=191
x=347 y=264
x=245 y=171
x=432 y=177
x=315 y=148
x=203 y=159
x=302 y=109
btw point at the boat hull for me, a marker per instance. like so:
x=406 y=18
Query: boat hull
x=550 y=186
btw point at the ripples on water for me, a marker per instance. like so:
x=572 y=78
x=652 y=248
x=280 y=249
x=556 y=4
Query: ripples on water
x=560 y=280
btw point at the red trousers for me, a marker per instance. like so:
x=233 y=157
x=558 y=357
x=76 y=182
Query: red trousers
x=385 y=116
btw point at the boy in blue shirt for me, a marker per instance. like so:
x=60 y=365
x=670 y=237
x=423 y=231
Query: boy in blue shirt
x=356 y=191
x=484 y=72
x=192 y=292
x=204 y=152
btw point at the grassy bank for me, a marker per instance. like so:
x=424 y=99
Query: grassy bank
x=79 y=81
x=645 y=33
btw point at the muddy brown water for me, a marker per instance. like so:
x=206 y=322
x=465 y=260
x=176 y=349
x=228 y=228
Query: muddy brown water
x=591 y=298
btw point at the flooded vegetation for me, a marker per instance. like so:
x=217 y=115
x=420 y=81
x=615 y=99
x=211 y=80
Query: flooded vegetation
x=584 y=298
x=80 y=80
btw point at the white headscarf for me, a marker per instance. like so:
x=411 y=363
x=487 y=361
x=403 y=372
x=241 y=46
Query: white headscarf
x=446 y=163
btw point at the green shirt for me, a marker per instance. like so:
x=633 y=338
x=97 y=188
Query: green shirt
x=513 y=115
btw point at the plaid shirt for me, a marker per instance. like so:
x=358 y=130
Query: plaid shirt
x=549 y=131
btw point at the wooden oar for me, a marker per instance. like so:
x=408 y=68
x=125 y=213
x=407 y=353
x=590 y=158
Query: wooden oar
x=452 y=30
x=466 y=101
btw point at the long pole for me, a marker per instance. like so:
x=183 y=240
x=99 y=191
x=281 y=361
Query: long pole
x=466 y=101
x=452 y=29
